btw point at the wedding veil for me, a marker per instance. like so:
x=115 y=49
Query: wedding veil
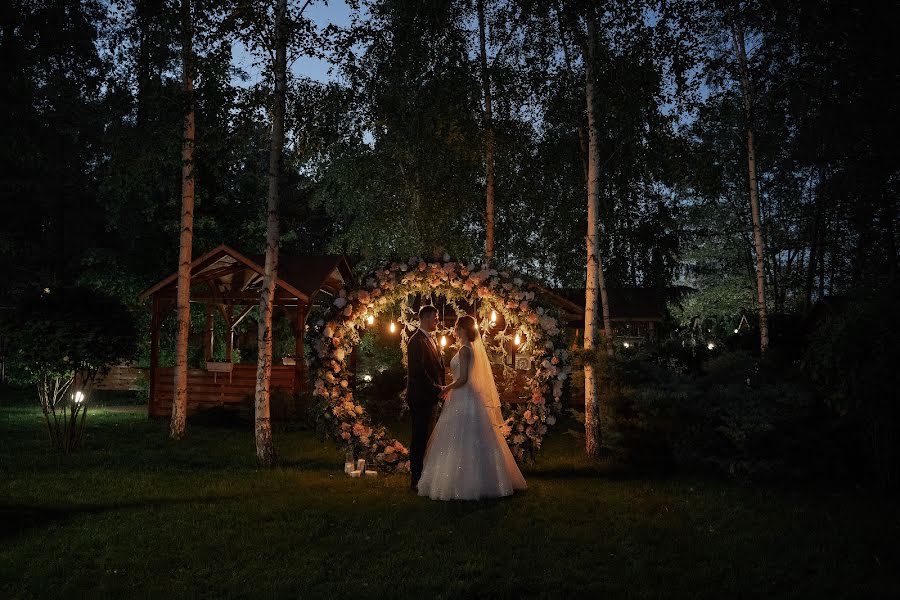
x=481 y=379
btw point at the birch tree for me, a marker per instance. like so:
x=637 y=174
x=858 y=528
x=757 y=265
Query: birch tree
x=183 y=296
x=265 y=448
x=488 y=137
x=737 y=33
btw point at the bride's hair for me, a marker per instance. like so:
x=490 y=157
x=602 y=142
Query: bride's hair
x=467 y=324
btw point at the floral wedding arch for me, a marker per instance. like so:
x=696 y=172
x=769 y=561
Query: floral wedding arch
x=531 y=330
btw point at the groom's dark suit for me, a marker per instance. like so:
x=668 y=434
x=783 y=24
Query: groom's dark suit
x=424 y=375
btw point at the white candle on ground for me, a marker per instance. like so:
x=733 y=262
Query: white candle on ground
x=361 y=464
x=355 y=473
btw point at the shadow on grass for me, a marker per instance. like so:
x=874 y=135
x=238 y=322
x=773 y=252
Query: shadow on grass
x=18 y=518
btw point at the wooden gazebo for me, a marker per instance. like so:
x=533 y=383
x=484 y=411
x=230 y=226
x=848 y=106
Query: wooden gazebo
x=228 y=282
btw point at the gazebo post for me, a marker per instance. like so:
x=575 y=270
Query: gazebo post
x=154 y=348
x=225 y=309
x=300 y=383
x=210 y=325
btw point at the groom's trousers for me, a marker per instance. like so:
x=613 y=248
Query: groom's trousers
x=422 y=417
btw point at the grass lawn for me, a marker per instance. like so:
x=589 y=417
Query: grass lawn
x=133 y=514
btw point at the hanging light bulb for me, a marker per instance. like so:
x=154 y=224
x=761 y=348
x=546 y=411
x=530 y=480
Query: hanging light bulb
x=493 y=317
x=393 y=327
x=370 y=319
x=517 y=340
x=443 y=341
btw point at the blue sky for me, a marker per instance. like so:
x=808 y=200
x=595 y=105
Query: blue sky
x=323 y=13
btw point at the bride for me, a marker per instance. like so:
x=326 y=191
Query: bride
x=467 y=457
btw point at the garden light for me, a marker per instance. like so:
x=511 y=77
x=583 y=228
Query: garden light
x=626 y=345
x=79 y=397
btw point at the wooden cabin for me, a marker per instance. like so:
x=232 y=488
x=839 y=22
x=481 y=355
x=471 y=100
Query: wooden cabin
x=228 y=284
x=635 y=313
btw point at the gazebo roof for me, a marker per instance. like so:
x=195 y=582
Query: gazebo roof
x=234 y=278
x=625 y=303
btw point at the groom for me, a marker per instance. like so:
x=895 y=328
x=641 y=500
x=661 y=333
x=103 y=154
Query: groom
x=424 y=378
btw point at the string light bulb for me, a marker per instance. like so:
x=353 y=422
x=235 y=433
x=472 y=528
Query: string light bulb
x=443 y=341
x=493 y=317
x=370 y=319
x=393 y=327
x=710 y=346
x=517 y=340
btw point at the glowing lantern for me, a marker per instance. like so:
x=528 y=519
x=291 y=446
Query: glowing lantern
x=517 y=340
x=493 y=317
x=370 y=319
x=79 y=397
x=393 y=327
x=443 y=341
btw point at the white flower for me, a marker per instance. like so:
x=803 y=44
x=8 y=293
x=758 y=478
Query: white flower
x=339 y=354
x=328 y=332
x=340 y=302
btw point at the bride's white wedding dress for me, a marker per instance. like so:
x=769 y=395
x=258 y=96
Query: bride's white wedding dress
x=467 y=456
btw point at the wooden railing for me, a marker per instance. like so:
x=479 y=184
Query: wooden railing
x=208 y=389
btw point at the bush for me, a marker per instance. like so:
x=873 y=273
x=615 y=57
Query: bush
x=60 y=341
x=852 y=360
x=724 y=418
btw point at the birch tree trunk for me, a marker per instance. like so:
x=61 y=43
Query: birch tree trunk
x=595 y=289
x=740 y=50
x=265 y=449
x=488 y=138
x=183 y=295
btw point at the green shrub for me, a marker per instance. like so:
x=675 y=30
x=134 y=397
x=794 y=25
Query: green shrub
x=852 y=360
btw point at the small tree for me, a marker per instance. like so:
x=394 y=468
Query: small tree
x=60 y=341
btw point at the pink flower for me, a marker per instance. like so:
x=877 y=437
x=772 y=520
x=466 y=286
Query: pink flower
x=345 y=435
